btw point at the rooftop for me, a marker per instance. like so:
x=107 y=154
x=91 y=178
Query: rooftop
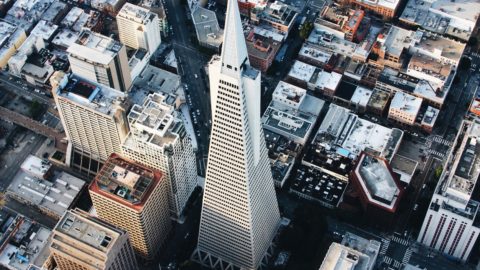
x=65 y=38
x=95 y=96
x=56 y=8
x=465 y=170
x=371 y=248
x=332 y=43
x=289 y=94
x=95 y=47
x=206 y=27
x=9 y=35
x=154 y=80
x=378 y=100
x=44 y=30
x=396 y=41
x=35 y=166
x=24 y=242
x=406 y=103
x=437 y=46
x=301 y=71
x=361 y=96
x=342 y=257
x=313 y=52
x=261 y=47
x=430 y=116
x=26 y=13
x=320 y=185
x=377 y=181
x=125 y=182
x=404 y=166
x=390 y=4
x=282 y=153
x=136 y=13
x=88 y=230
x=456 y=18
x=52 y=192
x=398 y=80
x=156 y=121
x=279 y=13
x=328 y=80
x=431 y=68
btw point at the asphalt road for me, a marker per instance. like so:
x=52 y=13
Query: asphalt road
x=191 y=62
x=18 y=86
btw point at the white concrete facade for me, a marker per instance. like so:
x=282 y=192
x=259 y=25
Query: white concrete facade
x=240 y=215
x=169 y=150
x=138 y=28
x=451 y=224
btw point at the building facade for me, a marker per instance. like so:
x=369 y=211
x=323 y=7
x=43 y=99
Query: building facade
x=93 y=116
x=158 y=139
x=100 y=59
x=133 y=198
x=451 y=224
x=138 y=28
x=83 y=242
x=240 y=213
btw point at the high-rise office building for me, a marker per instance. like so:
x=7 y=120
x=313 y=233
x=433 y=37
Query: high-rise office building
x=83 y=242
x=158 y=139
x=133 y=198
x=94 y=119
x=451 y=224
x=100 y=59
x=138 y=28
x=240 y=215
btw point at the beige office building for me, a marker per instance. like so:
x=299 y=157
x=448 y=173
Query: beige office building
x=83 y=242
x=135 y=199
x=100 y=59
x=94 y=119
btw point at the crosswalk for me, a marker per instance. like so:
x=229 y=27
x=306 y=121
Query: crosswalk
x=387 y=260
x=442 y=141
x=436 y=153
x=407 y=256
x=385 y=244
x=474 y=54
x=400 y=240
x=396 y=264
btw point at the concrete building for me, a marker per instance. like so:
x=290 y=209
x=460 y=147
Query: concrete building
x=12 y=37
x=313 y=55
x=261 y=50
x=277 y=15
x=209 y=33
x=343 y=257
x=135 y=199
x=404 y=108
x=138 y=28
x=109 y=6
x=156 y=6
x=25 y=14
x=38 y=185
x=292 y=112
x=83 y=242
x=379 y=189
x=456 y=19
x=100 y=59
x=385 y=8
x=94 y=119
x=240 y=216
x=159 y=140
x=24 y=242
x=452 y=223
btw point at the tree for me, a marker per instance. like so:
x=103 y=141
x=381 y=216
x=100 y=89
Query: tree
x=438 y=172
x=35 y=109
x=305 y=29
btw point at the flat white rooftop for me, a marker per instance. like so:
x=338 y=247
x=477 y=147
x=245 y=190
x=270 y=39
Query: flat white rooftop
x=340 y=257
x=95 y=47
x=406 y=103
x=313 y=52
x=301 y=71
x=361 y=96
x=328 y=80
x=136 y=13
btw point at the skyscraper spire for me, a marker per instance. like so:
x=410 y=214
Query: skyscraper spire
x=240 y=213
x=234 y=49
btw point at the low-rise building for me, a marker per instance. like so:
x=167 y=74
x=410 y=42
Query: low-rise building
x=261 y=50
x=378 y=187
x=282 y=153
x=25 y=14
x=12 y=37
x=314 y=55
x=24 y=242
x=38 y=185
x=292 y=112
x=277 y=15
x=404 y=108
x=360 y=98
x=456 y=19
x=378 y=102
x=429 y=119
x=209 y=33
x=112 y=7
x=384 y=8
